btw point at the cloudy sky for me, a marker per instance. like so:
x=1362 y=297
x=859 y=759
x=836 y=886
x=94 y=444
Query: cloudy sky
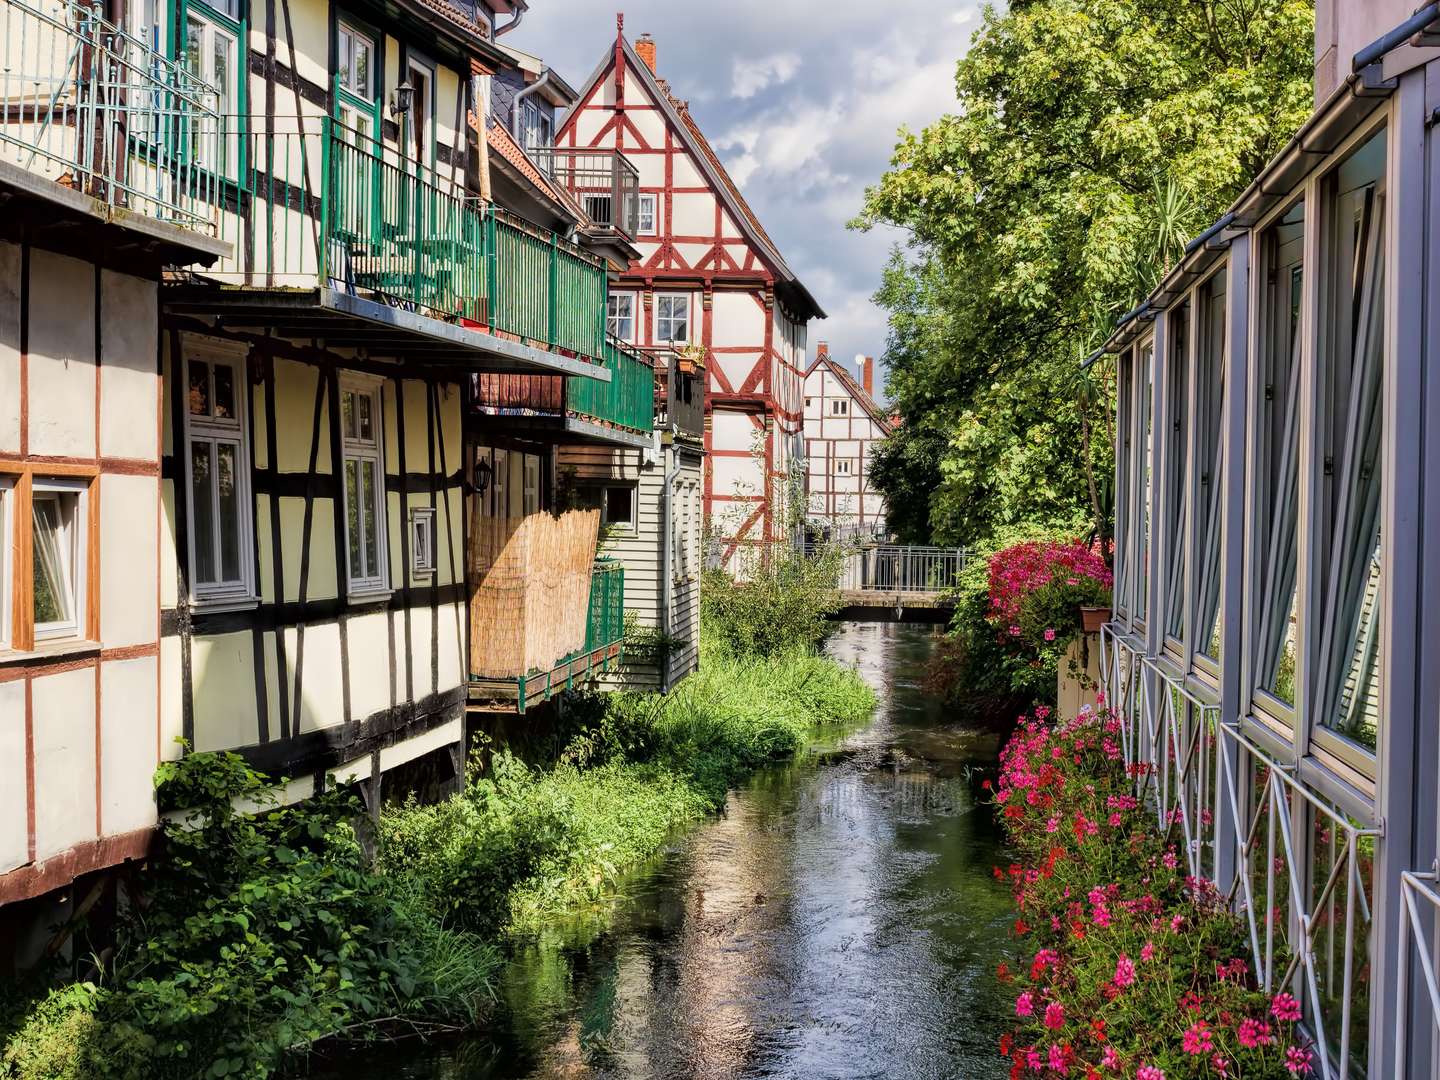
x=802 y=99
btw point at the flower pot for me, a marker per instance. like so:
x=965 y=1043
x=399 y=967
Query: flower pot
x=1093 y=618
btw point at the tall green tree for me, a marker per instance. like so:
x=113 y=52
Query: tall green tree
x=1092 y=139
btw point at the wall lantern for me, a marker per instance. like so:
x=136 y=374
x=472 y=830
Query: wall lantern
x=401 y=99
x=483 y=473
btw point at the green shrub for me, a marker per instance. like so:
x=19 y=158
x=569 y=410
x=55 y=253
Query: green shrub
x=783 y=602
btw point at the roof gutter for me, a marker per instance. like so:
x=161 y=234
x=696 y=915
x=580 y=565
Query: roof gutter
x=1397 y=37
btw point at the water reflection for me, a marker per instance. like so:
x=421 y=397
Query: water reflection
x=839 y=920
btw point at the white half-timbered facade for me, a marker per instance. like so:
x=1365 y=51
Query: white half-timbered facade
x=843 y=424
x=707 y=276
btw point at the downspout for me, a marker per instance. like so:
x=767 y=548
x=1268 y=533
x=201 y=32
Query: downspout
x=666 y=558
x=517 y=106
x=516 y=16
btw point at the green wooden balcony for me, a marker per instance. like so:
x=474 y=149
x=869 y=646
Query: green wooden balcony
x=309 y=203
x=627 y=400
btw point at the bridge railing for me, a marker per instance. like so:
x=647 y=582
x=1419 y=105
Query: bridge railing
x=901 y=568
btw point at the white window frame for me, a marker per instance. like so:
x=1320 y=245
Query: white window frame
x=842 y=466
x=613 y=320
x=7 y=546
x=423 y=523
x=78 y=544
x=530 y=484
x=605 y=519
x=651 y=200
x=361 y=450
x=344 y=30
x=661 y=300
x=839 y=407
x=241 y=592
x=229 y=102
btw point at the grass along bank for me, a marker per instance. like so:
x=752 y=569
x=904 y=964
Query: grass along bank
x=520 y=845
x=260 y=934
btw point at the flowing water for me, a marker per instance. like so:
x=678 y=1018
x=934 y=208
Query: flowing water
x=839 y=920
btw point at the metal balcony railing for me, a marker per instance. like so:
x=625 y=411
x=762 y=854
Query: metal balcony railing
x=88 y=106
x=679 y=392
x=1293 y=865
x=626 y=401
x=310 y=202
x=603 y=182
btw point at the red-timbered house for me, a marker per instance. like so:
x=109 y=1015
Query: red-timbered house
x=708 y=276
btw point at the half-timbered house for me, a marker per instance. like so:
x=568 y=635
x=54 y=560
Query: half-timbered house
x=843 y=425
x=707 y=274
x=86 y=227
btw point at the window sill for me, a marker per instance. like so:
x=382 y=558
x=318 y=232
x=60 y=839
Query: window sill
x=47 y=650
x=369 y=596
x=220 y=605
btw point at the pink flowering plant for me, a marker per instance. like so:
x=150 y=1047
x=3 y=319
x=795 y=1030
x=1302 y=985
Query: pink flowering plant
x=1037 y=589
x=1137 y=969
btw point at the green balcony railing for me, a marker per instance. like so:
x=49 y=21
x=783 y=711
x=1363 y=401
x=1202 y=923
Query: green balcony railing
x=605 y=619
x=309 y=200
x=627 y=400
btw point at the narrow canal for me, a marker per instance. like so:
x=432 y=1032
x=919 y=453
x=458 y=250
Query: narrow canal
x=840 y=920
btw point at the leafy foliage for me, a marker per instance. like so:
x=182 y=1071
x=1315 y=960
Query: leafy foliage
x=1037 y=589
x=1091 y=139
x=262 y=931
x=1136 y=969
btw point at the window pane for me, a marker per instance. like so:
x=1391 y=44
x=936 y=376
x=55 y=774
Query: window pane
x=360 y=74
x=224 y=392
x=364 y=426
x=347 y=414
x=1209 y=411
x=53 y=546
x=618 y=506
x=202 y=498
x=199 y=388
x=1173 y=487
x=227 y=484
x=372 y=532
x=352 y=517
x=344 y=45
x=1352 y=365
x=1277 y=482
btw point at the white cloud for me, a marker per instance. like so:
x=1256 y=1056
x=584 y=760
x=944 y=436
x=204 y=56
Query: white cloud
x=749 y=77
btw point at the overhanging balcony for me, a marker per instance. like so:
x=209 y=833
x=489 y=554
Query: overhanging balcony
x=620 y=412
x=603 y=182
x=340 y=237
x=87 y=118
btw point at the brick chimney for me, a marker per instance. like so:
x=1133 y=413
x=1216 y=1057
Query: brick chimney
x=645 y=49
x=822 y=350
x=867 y=375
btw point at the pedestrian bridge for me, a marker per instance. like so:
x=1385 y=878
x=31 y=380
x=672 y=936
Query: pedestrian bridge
x=900 y=583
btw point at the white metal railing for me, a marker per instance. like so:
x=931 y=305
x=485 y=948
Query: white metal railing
x=1296 y=868
x=1418 y=898
x=896 y=568
x=92 y=108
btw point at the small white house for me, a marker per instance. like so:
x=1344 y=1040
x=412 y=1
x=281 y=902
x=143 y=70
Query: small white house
x=843 y=424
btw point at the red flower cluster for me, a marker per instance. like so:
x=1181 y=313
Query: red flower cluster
x=1018 y=571
x=1138 y=968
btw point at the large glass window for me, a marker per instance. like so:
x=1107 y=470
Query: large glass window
x=217 y=462
x=1276 y=481
x=58 y=558
x=364 y=486
x=1209 y=407
x=1124 y=510
x=1142 y=478
x=1351 y=363
x=212 y=52
x=1173 y=500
